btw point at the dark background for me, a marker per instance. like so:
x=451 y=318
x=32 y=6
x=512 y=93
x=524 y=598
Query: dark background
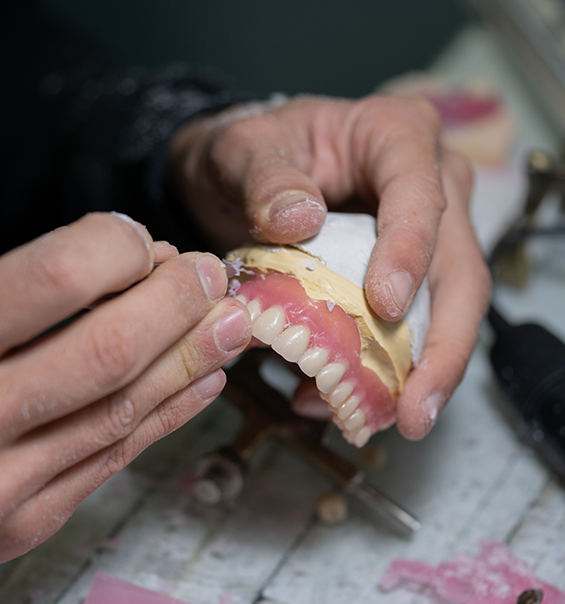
x=341 y=48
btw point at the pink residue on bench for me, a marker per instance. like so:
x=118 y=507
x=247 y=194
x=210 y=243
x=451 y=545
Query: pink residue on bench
x=494 y=576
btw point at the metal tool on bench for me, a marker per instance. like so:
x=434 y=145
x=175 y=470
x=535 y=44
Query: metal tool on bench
x=546 y=176
x=268 y=415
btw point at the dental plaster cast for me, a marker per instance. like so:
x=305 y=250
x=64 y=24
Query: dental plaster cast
x=308 y=303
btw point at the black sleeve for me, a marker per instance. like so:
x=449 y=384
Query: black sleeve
x=79 y=135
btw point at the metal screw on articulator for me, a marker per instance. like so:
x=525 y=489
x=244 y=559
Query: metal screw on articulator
x=268 y=415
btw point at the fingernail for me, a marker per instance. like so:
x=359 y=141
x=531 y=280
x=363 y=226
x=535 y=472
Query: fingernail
x=137 y=226
x=212 y=275
x=291 y=202
x=232 y=329
x=401 y=285
x=210 y=385
x=432 y=407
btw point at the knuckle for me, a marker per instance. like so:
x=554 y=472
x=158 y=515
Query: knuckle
x=111 y=353
x=425 y=194
x=166 y=420
x=189 y=359
x=439 y=203
x=406 y=110
x=432 y=194
x=118 y=422
x=118 y=457
x=460 y=170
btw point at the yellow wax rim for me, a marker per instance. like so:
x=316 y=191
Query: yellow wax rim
x=385 y=346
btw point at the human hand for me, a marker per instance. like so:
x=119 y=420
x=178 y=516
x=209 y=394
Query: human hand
x=273 y=172
x=81 y=402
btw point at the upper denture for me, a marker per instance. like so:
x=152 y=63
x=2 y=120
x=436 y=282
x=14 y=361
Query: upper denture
x=318 y=317
x=291 y=321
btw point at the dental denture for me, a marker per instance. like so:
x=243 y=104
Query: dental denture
x=308 y=303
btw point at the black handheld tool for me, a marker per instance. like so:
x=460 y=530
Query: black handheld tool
x=529 y=364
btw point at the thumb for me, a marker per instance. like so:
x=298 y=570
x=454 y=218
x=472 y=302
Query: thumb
x=257 y=160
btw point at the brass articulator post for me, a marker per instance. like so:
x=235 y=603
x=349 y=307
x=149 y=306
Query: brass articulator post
x=545 y=176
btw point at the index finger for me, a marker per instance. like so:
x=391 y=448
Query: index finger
x=401 y=164
x=56 y=275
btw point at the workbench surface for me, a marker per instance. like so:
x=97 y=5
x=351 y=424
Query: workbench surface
x=470 y=480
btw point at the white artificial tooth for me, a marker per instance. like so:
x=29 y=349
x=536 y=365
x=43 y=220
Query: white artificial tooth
x=269 y=324
x=292 y=343
x=356 y=420
x=242 y=299
x=348 y=407
x=362 y=436
x=340 y=394
x=312 y=361
x=254 y=308
x=329 y=377
x=347 y=436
